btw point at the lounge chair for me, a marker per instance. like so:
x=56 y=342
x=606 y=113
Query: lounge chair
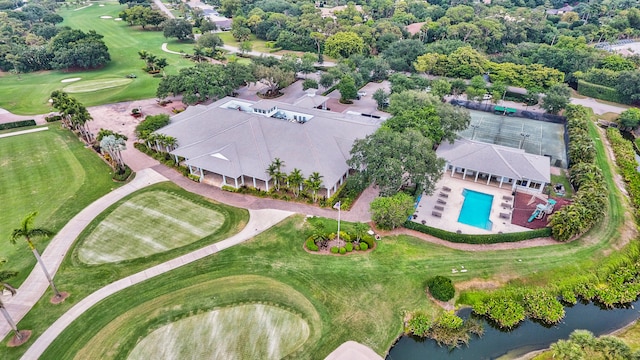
x=507 y=198
x=436 y=214
x=440 y=201
x=506 y=205
x=439 y=208
x=445 y=188
x=443 y=195
x=505 y=215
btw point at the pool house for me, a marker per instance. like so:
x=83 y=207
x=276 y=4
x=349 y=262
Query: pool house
x=495 y=165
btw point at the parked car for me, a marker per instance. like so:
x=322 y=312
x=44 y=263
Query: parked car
x=362 y=93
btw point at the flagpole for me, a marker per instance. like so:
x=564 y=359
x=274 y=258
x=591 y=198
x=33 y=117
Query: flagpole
x=338 y=205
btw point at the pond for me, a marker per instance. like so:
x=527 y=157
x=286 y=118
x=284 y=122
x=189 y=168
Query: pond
x=527 y=337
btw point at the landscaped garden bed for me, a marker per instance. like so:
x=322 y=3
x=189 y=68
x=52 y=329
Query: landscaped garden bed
x=323 y=241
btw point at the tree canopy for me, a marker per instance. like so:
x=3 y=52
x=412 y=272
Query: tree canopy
x=343 y=44
x=203 y=82
x=395 y=159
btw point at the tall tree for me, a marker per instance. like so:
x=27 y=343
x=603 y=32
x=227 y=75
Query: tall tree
x=178 y=28
x=28 y=232
x=391 y=212
x=343 y=45
x=347 y=88
x=556 y=98
x=4 y=276
x=314 y=183
x=392 y=160
x=296 y=180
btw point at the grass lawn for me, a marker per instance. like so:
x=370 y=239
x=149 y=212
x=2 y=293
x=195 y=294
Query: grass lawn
x=267 y=332
x=80 y=279
x=50 y=172
x=561 y=179
x=261 y=45
x=360 y=297
x=30 y=93
x=148 y=223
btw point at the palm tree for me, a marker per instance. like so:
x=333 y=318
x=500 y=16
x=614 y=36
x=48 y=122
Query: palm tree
x=27 y=231
x=313 y=183
x=162 y=63
x=296 y=180
x=360 y=229
x=4 y=276
x=275 y=171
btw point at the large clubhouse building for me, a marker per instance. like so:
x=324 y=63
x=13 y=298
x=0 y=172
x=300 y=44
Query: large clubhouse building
x=233 y=141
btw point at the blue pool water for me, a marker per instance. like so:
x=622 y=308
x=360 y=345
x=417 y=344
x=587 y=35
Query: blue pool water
x=476 y=209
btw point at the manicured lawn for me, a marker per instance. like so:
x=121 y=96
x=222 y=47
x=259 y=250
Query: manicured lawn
x=50 y=172
x=362 y=297
x=30 y=93
x=146 y=224
x=80 y=279
x=267 y=332
x=561 y=179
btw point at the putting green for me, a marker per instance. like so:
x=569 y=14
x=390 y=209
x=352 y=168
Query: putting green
x=148 y=223
x=233 y=317
x=95 y=85
x=253 y=331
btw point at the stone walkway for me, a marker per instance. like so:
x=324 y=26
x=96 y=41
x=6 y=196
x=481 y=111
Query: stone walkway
x=259 y=221
x=35 y=286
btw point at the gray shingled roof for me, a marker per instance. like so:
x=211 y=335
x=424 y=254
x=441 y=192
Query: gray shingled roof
x=496 y=159
x=234 y=143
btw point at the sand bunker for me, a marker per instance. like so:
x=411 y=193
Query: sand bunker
x=118 y=19
x=70 y=80
x=106 y=17
x=101 y=5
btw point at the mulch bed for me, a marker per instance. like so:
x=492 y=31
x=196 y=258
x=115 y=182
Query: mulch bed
x=522 y=210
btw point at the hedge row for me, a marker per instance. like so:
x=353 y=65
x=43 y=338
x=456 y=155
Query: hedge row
x=599 y=92
x=625 y=158
x=590 y=200
x=17 y=124
x=478 y=239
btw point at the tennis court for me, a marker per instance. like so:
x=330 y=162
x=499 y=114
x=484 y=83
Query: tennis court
x=535 y=137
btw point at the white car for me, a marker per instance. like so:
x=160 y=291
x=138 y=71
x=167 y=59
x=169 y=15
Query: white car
x=362 y=93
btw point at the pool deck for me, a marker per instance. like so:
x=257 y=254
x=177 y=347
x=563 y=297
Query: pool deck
x=454 y=200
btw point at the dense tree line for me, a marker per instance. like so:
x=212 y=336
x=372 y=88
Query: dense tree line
x=30 y=40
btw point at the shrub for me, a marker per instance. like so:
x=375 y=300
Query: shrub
x=625 y=158
x=363 y=246
x=419 y=324
x=311 y=244
x=17 y=124
x=367 y=239
x=349 y=247
x=343 y=251
x=344 y=236
x=503 y=309
x=122 y=174
x=53 y=118
x=194 y=177
x=226 y=187
x=478 y=239
x=542 y=306
x=599 y=92
x=334 y=249
x=150 y=124
x=441 y=288
x=357 y=247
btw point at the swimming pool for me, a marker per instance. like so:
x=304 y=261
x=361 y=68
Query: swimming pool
x=476 y=209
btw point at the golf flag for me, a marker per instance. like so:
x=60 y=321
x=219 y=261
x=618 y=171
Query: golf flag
x=337 y=206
